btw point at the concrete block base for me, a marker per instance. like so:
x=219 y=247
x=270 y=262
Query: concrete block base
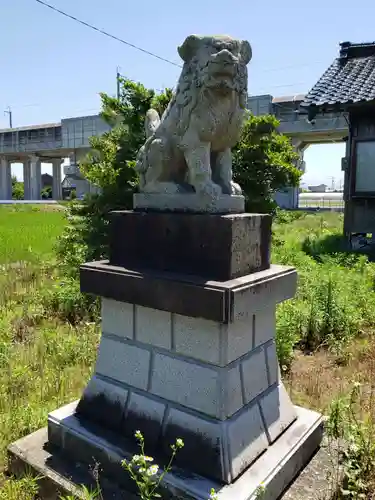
x=215 y=384
x=63 y=471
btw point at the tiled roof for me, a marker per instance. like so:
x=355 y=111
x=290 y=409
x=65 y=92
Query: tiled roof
x=349 y=80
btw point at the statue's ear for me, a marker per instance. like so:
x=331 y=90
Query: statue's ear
x=246 y=51
x=189 y=48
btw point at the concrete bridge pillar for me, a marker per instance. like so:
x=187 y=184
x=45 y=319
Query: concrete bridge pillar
x=288 y=198
x=26 y=179
x=56 y=183
x=5 y=179
x=35 y=176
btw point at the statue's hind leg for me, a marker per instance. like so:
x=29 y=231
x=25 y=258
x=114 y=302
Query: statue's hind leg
x=157 y=178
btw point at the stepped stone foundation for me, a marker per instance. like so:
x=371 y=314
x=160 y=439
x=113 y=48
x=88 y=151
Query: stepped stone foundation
x=188 y=351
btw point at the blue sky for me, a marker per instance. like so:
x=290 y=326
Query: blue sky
x=53 y=67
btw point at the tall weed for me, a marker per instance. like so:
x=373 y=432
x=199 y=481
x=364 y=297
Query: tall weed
x=335 y=299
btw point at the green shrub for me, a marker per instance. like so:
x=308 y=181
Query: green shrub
x=65 y=301
x=263 y=162
x=18 y=192
x=290 y=319
x=354 y=427
x=287 y=216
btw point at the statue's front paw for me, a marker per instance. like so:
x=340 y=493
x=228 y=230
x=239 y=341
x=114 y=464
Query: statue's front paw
x=209 y=189
x=235 y=188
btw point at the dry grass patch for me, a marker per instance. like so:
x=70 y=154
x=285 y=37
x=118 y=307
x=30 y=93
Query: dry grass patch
x=315 y=380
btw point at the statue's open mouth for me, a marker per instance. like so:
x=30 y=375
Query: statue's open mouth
x=225 y=70
x=224 y=73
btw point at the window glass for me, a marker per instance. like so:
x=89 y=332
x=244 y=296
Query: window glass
x=365 y=174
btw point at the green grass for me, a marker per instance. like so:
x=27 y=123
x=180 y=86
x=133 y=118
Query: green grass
x=28 y=233
x=44 y=361
x=335 y=300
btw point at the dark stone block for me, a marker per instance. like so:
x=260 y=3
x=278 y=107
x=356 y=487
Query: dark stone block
x=101 y=410
x=159 y=291
x=213 y=246
x=201 y=453
x=100 y=457
x=187 y=295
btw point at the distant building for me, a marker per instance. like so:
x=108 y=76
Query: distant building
x=347 y=87
x=81 y=186
x=47 y=180
x=320 y=188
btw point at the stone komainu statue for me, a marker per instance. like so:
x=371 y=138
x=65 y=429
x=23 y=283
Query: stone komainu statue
x=189 y=149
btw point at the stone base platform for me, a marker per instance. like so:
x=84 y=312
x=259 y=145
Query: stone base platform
x=192 y=203
x=275 y=469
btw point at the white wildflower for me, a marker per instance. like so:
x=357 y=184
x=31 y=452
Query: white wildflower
x=138 y=435
x=179 y=443
x=153 y=470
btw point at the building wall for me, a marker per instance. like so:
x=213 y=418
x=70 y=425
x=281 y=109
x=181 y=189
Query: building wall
x=30 y=139
x=76 y=132
x=260 y=105
x=287 y=198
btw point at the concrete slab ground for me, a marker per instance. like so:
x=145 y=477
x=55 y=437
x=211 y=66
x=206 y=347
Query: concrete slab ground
x=319 y=479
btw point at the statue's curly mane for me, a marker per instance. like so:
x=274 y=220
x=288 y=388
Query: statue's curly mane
x=184 y=101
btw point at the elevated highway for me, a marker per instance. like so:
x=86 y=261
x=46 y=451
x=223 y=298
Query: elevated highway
x=325 y=129
x=69 y=138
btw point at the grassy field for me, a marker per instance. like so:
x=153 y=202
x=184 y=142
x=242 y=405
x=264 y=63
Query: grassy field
x=324 y=335
x=44 y=362
x=28 y=233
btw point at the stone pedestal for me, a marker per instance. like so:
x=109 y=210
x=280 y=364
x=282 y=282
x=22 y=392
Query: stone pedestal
x=211 y=378
x=188 y=351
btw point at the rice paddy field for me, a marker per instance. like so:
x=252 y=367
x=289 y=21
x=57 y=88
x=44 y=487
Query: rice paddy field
x=28 y=233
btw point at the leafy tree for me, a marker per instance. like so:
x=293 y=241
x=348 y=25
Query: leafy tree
x=17 y=189
x=46 y=193
x=263 y=162
x=109 y=167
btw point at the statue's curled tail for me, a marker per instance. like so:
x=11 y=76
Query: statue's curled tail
x=152 y=122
